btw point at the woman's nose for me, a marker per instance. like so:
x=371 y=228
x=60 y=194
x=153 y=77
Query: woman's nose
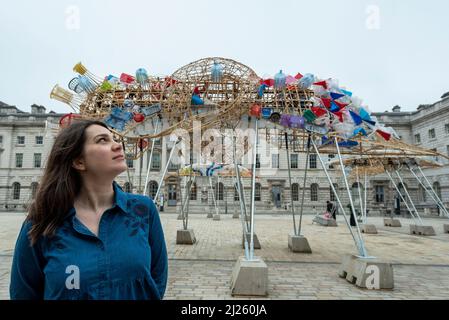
x=117 y=145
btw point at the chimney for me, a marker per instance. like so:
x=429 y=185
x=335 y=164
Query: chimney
x=396 y=108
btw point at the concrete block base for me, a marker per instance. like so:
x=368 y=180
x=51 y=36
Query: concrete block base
x=422 y=230
x=216 y=217
x=249 y=278
x=366 y=272
x=446 y=228
x=256 y=241
x=185 y=236
x=180 y=217
x=298 y=244
x=210 y=215
x=325 y=222
x=368 y=228
x=391 y=222
x=236 y=215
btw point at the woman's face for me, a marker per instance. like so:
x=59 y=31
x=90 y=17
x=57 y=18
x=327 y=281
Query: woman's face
x=101 y=154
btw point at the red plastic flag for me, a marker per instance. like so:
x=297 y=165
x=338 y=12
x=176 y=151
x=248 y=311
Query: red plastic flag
x=126 y=78
x=298 y=76
x=318 y=111
x=326 y=102
x=339 y=114
x=269 y=82
x=321 y=83
x=384 y=134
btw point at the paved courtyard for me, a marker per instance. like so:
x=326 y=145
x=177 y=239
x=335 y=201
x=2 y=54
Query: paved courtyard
x=203 y=270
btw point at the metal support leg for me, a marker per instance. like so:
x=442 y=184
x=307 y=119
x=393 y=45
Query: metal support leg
x=306 y=169
x=356 y=241
x=253 y=193
x=364 y=190
x=151 y=159
x=408 y=196
x=362 y=245
x=433 y=191
x=400 y=194
x=290 y=183
x=165 y=172
x=241 y=201
x=360 y=194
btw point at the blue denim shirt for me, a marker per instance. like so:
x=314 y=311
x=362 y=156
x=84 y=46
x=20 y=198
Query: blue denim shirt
x=128 y=259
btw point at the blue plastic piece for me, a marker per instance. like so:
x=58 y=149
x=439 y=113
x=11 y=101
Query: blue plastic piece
x=118 y=118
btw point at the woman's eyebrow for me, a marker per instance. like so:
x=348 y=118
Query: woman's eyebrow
x=101 y=135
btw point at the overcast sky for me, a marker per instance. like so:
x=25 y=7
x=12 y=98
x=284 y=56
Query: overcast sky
x=387 y=52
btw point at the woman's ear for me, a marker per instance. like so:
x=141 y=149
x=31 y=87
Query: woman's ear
x=79 y=164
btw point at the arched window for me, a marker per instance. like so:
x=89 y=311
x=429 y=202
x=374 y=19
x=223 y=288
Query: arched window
x=295 y=192
x=152 y=188
x=34 y=186
x=332 y=194
x=16 y=191
x=437 y=189
x=257 y=190
x=127 y=187
x=219 y=191
x=193 y=191
x=314 y=192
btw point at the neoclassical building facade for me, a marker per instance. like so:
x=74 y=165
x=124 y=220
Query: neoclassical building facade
x=26 y=139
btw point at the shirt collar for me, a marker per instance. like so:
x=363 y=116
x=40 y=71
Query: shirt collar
x=120 y=197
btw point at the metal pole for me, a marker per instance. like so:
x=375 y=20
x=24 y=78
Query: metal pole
x=253 y=193
x=240 y=188
x=360 y=193
x=151 y=158
x=242 y=203
x=165 y=171
x=357 y=244
x=431 y=188
x=408 y=196
x=364 y=190
x=362 y=245
x=437 y=202
x=400 y=194
x=290 y=183
x=213 y=194
x=306 y=169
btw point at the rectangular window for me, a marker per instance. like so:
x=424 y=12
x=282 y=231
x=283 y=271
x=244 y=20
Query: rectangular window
x=436 y=157
x=417 y=138
x=447 y=150
x=294 y=161
x=257 y=160
x=37 y=160
x=275 y=161
x=156 y=162
x=171 y=166
x=39 y=140
x=379 y=194
x=20 y=139
x=446 y=128
x=19 y=160
x=312 y=161
x=1 y=139
x=431 y=133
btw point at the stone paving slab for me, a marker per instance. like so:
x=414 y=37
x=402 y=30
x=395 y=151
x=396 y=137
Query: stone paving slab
x=203 y=270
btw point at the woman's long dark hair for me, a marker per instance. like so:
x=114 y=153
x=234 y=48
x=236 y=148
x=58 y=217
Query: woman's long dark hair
x=60 y=183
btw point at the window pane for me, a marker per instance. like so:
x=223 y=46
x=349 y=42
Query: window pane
x=294 y=161
x=19 y=160
x=37 y=160
x=275 y=161
x=312 y=161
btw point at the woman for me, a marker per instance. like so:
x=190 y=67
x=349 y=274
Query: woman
x=84 y=238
